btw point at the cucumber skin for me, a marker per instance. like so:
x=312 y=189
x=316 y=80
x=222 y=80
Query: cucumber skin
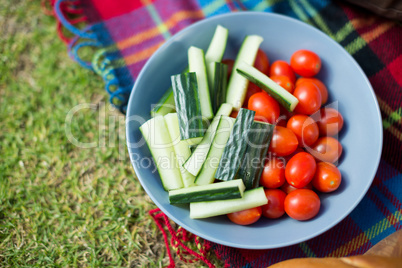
x=181 y=148
x=237 y=85
x=284 y=101
x=256 y=149
x=202 y=149
x=166 y=103
x=215 y=52
x=173 y=172
x=197 y=64
x=188 y=106
x=208 y=169
x=215 y=46
x=236 y=146
x=251 y=198
x=218 y=91
x=209 y=195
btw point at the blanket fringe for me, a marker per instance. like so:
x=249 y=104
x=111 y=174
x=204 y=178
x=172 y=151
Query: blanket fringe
x=179 y=239
x=68 y=14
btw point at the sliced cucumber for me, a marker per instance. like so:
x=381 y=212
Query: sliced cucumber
x=181 y=148
x=208 y=170
x=165 y=104
x=219 y=85
x=237 y=86
x=215 y=52
x=160 y=144
x=251 y=198
x=188 y=107
x=236 y=146
x=259 y=138
x=196 y=63
x=198 y=156
x=217 y=47
x=215 y=191
x=287 y=100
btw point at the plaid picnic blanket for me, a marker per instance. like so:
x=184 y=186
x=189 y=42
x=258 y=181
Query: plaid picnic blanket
x=126 y=33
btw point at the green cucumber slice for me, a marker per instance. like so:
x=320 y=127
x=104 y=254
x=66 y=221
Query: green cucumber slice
x=259 y=138
x=181 y=148
x=195 y=162
x=251 y=198
x=188 y=107
x=287 y=100
x=165 y=104
x=215 y=52
x=160 y=144
x=237 y=87
x=217 y=46
x=196 y=63
x=219 y=85
x=210 y=165
x=215 y=191
x=236 y=146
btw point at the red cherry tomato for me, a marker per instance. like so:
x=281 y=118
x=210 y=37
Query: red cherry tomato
x=282 y=121
x=302 y=204
x=305 y=128
x=266 y=108
x=305 y=63
x=287 y=188
x=229 y=63
x=281 y=67
x=284 y=81
x=283 y=142
x=309 y=98
x=330 y=122
x=320 y=85
x=276 y=203
x=262 y=62
x=284 y=116
x=300 y=170
x=273 y=174
x=326 y=149
x=251 y=90
x=327 y=177
x=246 y=217
x=298 y=150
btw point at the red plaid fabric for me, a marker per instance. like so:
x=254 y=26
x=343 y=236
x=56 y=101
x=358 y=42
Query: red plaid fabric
x=126 y=33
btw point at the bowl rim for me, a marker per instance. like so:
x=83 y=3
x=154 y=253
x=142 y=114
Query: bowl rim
x=323 y=35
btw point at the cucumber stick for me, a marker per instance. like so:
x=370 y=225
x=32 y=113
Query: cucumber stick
x=181 y=148
x=210 y=165
x=160 y=144
x=237 y=86
x=165 y=105
x=219 y=85
x=217 y=46
x=197 y=65
x=287 y=100
x=215 y=52
x=259 y=138
x=195 y=162
x=251 y=198
x=188 y=107
x=236 y=146
x=215 y=191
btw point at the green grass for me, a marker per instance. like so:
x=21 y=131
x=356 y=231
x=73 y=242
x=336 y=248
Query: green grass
x=62 y=205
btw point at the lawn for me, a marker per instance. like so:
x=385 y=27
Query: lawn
x=62 y=205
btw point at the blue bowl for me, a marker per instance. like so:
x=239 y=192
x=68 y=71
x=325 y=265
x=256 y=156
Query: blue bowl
x=349 y=91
